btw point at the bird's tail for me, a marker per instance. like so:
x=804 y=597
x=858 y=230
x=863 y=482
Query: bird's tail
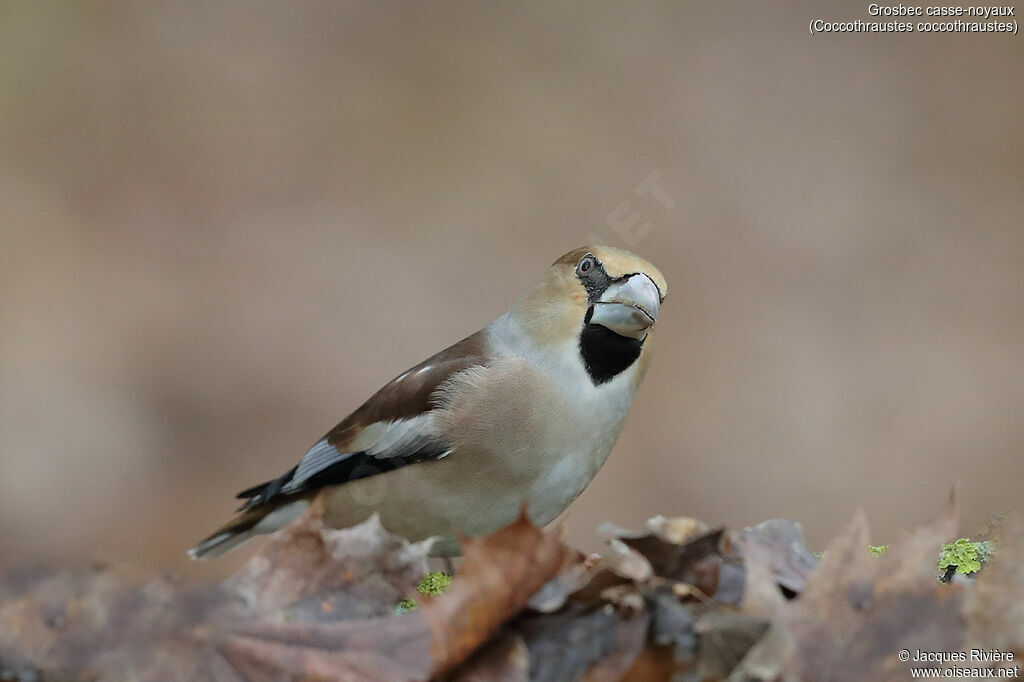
x=247 y=525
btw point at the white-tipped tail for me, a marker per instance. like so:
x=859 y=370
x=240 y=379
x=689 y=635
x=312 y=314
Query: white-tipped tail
x=219 y=543
x=245 y=527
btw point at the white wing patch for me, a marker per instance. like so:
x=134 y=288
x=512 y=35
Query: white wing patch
x=381 y=440
x=404 y=437
x=317 y=458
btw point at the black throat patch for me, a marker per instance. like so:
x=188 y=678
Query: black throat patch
x=606 y=354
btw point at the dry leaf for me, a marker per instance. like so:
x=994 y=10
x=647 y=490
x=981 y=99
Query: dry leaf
x=568 y=644
x=498 y=575
x=994 y=606
x=677 y=530
x=783 y=548
x=677 y=602
x=725 y=636
x=504 y=658
x=304 y=564
x=858 y=611
x=704 y=561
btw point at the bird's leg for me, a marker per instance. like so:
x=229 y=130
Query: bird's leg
x=449 y=566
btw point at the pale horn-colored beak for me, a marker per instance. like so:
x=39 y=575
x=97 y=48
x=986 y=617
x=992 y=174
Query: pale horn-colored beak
x=628 y=308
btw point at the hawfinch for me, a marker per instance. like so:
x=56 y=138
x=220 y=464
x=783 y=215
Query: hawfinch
x=524 y=411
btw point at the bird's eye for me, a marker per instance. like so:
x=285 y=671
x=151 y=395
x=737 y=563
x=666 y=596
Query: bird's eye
x=586 y=265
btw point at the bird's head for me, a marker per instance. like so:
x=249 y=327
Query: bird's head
x=604 y=298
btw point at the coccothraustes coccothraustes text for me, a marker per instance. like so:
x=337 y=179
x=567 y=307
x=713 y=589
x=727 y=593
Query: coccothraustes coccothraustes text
x=524 y=411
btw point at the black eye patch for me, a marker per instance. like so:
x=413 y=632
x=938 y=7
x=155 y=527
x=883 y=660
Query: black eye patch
x=595 y=281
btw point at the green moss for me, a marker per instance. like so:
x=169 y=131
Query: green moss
x=968 y=557
x=876 y=550
x=434 y=584
x=986 y=549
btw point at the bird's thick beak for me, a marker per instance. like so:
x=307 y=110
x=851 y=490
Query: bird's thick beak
x=628 y=308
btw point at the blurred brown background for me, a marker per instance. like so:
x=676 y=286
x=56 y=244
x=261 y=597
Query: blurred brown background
x=225 y=224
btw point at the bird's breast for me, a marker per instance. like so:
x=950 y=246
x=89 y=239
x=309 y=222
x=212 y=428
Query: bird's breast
x=533 y=435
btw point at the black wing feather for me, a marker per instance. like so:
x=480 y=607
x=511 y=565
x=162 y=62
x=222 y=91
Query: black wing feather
x=351 y=467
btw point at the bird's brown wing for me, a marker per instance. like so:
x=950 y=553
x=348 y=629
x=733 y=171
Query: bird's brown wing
x=394 y=428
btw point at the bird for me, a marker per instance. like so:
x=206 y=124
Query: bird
x=515 y=418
